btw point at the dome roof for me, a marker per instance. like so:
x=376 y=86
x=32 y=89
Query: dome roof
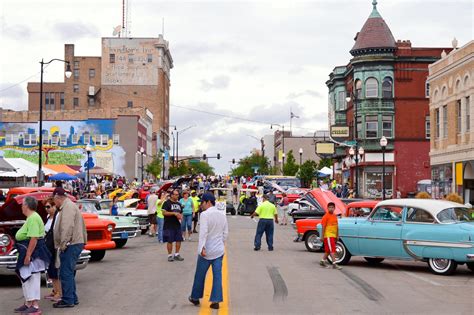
x=374 y=35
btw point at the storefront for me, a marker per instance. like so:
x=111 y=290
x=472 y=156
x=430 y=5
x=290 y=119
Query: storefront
x=371 y=184
x=442 y=180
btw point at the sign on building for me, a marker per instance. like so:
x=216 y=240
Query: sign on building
x=325 y=148
x=339 y=133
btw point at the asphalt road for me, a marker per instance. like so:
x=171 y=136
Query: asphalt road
x=138 y=280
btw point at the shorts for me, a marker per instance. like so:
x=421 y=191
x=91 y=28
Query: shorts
x=330 y=245
x=152 y=218
x=172 y=235
x=195 y=217
x=186 y=222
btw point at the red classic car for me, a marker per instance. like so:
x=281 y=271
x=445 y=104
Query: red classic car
x=292 y=193
x=306 y=228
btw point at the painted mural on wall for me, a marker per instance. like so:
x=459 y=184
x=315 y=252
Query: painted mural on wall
x=64 y=142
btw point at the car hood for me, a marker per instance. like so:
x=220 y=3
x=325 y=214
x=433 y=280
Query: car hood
x=119 y=221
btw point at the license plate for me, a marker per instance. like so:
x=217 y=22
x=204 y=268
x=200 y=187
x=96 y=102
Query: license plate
x=143 y=227
x=124 y=235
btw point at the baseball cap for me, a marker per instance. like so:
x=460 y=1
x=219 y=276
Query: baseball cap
x=208 y=197
x=59 y=191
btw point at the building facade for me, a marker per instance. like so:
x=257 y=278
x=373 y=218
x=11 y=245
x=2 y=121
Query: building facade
x=382 y=91
x=451 y=117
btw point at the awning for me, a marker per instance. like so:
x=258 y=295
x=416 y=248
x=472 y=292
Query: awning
x=5 y=167
x=61 y=168
x=27 y=168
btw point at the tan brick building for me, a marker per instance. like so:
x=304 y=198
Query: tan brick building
x=451 y=85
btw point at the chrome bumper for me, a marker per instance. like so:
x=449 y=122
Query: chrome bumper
x=121 y=234
x=470 y=257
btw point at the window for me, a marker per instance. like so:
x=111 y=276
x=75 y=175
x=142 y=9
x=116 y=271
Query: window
x=427 y=89
x=75 y=102
x=9 y=139
x=359 y=125
x=76 y=74
x=96 y=139
x=371 y=127
x=87 y=138
x=75 y=88
x=129 y=104
x=341 y=101
x=91 y=101
x=371 y=88
x=387 y=124
x=468 y=113
x=61 y=100
x=46 y=101
x=358 y=88
x=459 y=116
x=437 y=123
x=45 y=137
x=116 y=139
x=387 y=213
x=76 y=64
x=427 y=127
x=150 y=58
x=453 y=215
x=111 y=58
x=387 y=88
x=51 y=101
x=419 y=216
x=130 y=58
x=75 y=139
x=91 y=73
x=29 y=139
x=54 y=139
x=445 y=121
x=104 y=139
x=63 y=139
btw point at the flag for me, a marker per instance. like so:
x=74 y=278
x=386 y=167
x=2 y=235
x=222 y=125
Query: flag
x=294 y=116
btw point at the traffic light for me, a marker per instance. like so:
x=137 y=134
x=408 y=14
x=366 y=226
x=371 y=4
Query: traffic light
x=204 y=157
x=233 y=161
x=218 y=156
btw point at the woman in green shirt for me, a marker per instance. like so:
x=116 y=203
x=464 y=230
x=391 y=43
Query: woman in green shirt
x=160 y=219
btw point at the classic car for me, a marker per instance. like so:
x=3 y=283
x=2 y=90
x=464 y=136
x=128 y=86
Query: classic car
x=11 y=220
x=317 y=199
x=440 y=233
x=16 y=191
x=127 y=208
x=125 y=226
x=306 y=228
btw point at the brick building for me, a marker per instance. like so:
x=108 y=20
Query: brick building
x=386 y=83
x=452 y=111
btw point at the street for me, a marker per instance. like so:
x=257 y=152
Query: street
x=138 y=280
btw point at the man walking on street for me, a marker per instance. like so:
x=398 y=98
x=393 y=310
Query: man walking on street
x=172 y=211
x=69 y=238
x=267 y=212
x=330 y=234
x=197 y=203
x=152 y=199
x=212 y=235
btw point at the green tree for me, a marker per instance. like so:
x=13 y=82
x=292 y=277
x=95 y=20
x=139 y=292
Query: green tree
x=201 y=168
x=325 y=162
x=290 y=167
x=306 y=173
x=155 y=167
x=247 y=164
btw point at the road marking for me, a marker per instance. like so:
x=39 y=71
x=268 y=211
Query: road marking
x=366 y=289
x=280 y=290
x=205 y=308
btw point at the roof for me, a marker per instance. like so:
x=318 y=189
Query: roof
x=61 y=168
x=430 y=205
x=5 y=167
x=27 y=168
x=375 y=34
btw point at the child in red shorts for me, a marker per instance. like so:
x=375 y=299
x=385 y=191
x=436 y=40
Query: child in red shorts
x=330 y=235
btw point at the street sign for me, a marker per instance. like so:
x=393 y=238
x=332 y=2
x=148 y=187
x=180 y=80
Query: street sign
x=351 y=143
x=194 y=161
x=167 y=155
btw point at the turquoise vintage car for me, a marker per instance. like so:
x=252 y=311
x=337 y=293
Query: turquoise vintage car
x=440 y=233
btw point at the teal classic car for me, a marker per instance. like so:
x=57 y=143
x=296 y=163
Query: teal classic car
x=440 y=233
x=125 y=226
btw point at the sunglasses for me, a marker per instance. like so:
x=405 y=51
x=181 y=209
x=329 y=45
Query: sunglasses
x=47 y=207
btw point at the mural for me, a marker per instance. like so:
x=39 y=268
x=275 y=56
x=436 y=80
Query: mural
x=64 y=142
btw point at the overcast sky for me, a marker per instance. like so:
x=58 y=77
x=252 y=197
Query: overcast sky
x=252 y=60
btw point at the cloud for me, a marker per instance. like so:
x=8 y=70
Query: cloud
x=16 y=31
x=312 y=93
x=245 y=68
x=219 y=82
x=69 y=31
x=12 y=96
x=193 y=51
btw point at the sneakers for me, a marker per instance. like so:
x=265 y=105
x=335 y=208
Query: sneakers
x=336 y=266
x=215 y=305
x=195 y=302
x=170 y=258
x=324 y=263
x=62 y=304
x=256 y=248
x=21 y=309
x=178 y=258
x=31 y=310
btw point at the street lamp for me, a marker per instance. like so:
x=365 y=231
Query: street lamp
x=354 y=98
x=68 y=74
x=177 y=140
x=383 y=144
x=262 y=144
x=88 y=163
x=142 y=153
x=301 y=155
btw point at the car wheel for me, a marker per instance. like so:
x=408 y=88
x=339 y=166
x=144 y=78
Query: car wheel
x=313 y=242
x=97 y=255
x=232 y=212
x=120 y=243
x=470 y=265
x=144 y=231
x=441 y=266
x=342 y=254
x=374 y=261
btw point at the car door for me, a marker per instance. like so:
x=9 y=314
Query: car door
x=381 y=233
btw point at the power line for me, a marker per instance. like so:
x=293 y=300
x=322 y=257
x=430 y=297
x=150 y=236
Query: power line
x=12 y=86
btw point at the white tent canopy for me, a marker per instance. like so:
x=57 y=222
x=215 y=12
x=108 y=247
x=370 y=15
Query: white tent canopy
x=326 y=170
x=24 y=168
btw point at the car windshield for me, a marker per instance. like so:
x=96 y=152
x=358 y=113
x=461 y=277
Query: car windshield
x=105 y=205
x=454 y=215
x=88 y=207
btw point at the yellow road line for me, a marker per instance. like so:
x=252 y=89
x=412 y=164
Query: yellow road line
x=224 y=306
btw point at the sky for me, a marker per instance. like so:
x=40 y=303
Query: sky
x=239 y=66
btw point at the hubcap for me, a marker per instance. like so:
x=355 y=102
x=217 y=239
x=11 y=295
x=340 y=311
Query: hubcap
x=314 y=242
x=340 y=252
x=440 y=263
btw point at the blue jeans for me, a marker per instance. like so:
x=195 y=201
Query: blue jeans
x=160 y=222
x=187 y=222
x=66 y=272
x=264 y=225
x=200 y=277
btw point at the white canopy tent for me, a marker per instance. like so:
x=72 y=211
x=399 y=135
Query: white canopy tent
x=326 y=170
x=24 y=168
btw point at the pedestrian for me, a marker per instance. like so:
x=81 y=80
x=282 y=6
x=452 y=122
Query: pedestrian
x=69 y=238
x=213 y=234
x=159 y=215
x=53 y=273
x=267 y=212
x=113 y=206
x=330 y=235
x=188 y=209
x=284 y=208
x=196 y=202
x=172 y=212
x=271 y=197
x=2 y=196
x=152 y=200
x=33 y=256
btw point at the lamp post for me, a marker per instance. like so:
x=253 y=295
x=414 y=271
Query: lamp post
x=88 y=151
x=283 y=163
x=383 y=144
x=262 y=144
x=142 y=153
x=177 y=140
x=68 y=74
x=354 y=98
x=301 y=155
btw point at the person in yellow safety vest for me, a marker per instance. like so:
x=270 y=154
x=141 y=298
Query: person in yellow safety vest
x=197 y=203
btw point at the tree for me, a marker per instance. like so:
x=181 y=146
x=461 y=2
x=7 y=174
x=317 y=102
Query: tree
x=290 y=167
x=201 y=168
x=248 y=164
x=325 y=162
x=155 y=166
x=306 y=173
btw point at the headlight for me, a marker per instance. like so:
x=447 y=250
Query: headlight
x=110 y=227
x=5 y=240
x=136 y=221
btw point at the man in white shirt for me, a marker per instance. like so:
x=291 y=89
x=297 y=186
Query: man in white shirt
x=152 y=199
x=213 y=232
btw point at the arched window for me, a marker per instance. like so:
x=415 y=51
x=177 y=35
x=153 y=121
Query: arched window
x=371 y=88
x=443 y=92
x=358 y=88
x=458 y=86
x=466 y=82
x=387 y=88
